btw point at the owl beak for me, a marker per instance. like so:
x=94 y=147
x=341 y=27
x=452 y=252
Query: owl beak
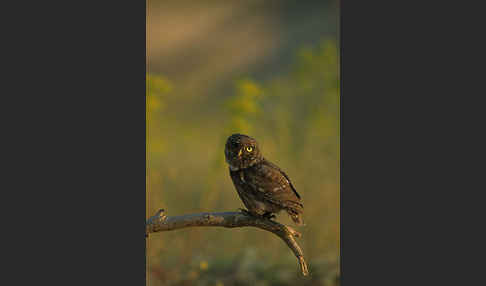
x=239 y=153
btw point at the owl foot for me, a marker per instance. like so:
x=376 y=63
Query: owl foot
x=246 y=212
x=268 y=215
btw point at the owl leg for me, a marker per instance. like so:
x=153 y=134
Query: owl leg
x=268 y=215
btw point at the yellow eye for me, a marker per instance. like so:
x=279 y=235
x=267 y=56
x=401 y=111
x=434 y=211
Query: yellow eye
x=249 y=148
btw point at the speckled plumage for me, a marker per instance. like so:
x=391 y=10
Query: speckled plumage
x=262 y=186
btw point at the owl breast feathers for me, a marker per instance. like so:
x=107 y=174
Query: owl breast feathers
x=262 y=186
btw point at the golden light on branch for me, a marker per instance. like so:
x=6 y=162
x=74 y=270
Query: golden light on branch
x=161 y=222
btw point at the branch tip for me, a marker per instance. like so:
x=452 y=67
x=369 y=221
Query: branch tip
x=303 y=266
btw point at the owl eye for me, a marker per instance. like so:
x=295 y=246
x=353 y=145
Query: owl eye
x=249 y=148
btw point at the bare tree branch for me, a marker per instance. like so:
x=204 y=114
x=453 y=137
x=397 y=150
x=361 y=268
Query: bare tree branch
x=161 y=222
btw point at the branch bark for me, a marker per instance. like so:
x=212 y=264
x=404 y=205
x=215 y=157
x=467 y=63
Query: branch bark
x=161 y=222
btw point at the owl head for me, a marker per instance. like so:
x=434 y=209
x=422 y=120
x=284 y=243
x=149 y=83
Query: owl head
x=241 y=151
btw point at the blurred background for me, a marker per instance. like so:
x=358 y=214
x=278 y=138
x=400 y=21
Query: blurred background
x=269 y=69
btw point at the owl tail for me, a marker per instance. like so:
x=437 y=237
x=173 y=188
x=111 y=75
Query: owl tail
x=297 y=219
x=295 y=211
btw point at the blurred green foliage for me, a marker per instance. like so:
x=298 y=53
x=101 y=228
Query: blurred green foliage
x=244 y=106
x=157 y=87
x=295 y=117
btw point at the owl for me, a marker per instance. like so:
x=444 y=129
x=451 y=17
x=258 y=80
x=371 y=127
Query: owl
x=262 y=186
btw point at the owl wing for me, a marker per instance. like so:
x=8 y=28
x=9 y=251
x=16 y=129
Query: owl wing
x=269 y=182
x=285 y=175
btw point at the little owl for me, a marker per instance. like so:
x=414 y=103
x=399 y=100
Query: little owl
x=261 y=185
